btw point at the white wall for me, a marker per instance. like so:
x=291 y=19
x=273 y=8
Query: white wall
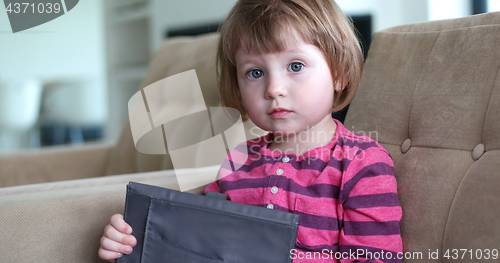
x=447 y=9
x=494 y=5
x=71 y=45
x=170 y=13
x=68 y=48
x=387 y=13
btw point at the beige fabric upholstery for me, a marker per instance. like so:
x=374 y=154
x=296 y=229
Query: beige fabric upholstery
x=63 y=221
x=57 y=226
x=438 y=85
x=54 y=164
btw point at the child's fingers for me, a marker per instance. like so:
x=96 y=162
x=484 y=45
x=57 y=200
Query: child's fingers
x=111 y=245
x=113 y=234
x=108 y=255
x=120 y=224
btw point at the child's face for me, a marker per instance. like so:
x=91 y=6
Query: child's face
x=289 y=91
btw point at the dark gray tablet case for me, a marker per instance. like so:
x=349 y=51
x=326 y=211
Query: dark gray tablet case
x=172 y=226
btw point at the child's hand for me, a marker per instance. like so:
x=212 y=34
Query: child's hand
x=117 y=239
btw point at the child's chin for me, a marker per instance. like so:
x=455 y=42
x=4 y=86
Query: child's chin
x=288 y=131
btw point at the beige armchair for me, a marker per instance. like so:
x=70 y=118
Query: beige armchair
x=430 y=94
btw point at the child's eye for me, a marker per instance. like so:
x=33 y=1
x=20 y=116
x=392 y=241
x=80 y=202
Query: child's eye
x=255 y=73
x=295 y=67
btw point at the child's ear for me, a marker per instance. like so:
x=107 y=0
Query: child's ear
x=341 y=83
x=338 y=86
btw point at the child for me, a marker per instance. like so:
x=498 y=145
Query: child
x=287 y=65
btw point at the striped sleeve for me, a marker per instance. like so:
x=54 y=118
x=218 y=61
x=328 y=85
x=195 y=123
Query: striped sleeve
x=371 y=211
x=213 y=187
x=234 y=160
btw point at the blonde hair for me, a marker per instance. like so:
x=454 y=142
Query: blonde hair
x=261 y=26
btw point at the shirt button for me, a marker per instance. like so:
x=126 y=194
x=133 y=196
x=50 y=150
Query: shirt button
x=285 y=159
x=270 y=206
x=279 y=171
x=274 y=189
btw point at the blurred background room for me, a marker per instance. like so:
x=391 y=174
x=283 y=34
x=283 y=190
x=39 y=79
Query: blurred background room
x=68 y=81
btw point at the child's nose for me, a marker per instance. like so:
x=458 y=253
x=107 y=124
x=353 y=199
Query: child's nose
x=276 y=87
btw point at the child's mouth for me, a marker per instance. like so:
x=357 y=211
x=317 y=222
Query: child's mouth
x=279 y=114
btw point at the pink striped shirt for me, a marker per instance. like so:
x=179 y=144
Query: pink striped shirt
x=345 y=193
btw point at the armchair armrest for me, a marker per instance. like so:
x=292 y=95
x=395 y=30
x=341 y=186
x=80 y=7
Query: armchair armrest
x=54 y=164
x=63 y=221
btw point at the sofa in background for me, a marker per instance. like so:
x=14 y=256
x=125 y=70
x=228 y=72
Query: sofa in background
x=430 y=94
